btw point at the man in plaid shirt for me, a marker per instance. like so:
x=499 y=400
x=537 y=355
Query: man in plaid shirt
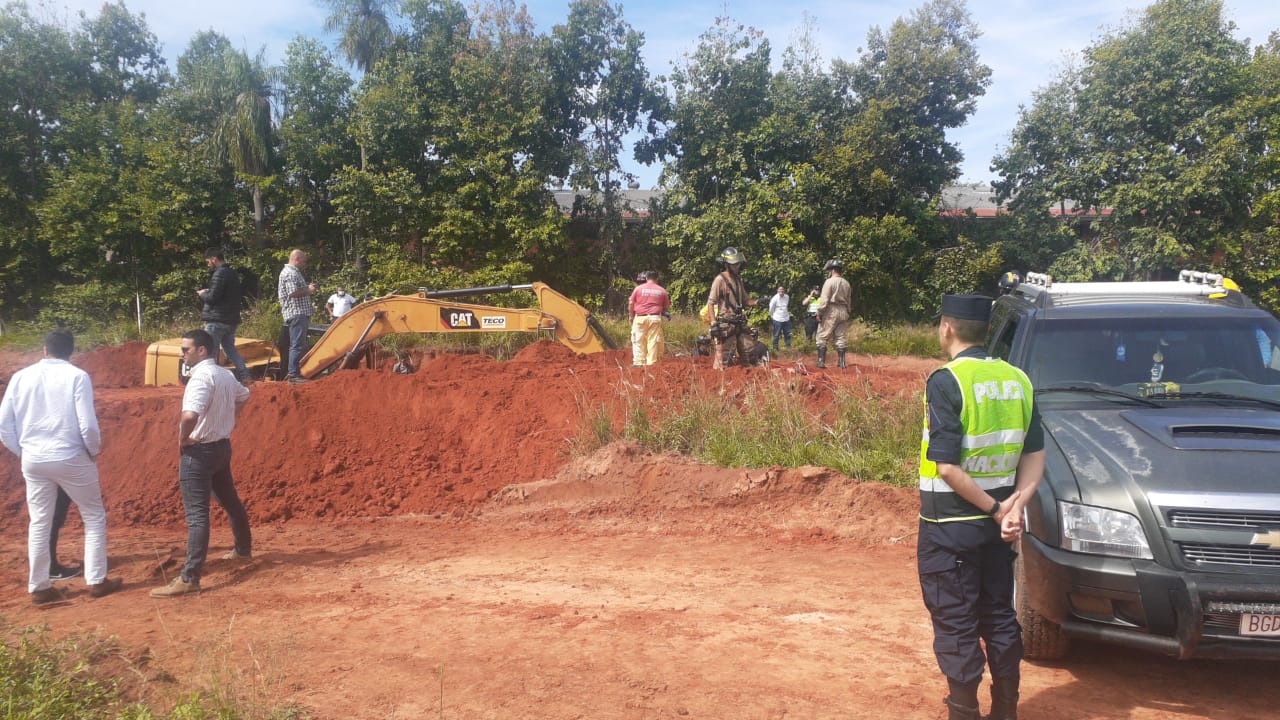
x=295 y=304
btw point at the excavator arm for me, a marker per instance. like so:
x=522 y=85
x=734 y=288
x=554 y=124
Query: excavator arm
x=557 y=317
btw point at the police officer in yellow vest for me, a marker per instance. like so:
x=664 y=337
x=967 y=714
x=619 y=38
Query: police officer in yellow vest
x=981 y=459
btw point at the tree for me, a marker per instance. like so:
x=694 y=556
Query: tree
x=603 y=93
x=229 y=95
x=365 y=34
x=1148 y=128
x=39 y=74
x=314 y=142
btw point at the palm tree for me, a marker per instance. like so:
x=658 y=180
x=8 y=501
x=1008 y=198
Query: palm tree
x=244 y=133
x=365 y=34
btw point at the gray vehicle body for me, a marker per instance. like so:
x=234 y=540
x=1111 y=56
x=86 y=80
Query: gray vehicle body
x=1198 y=473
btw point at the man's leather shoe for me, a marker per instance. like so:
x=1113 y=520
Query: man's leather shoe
x=176 y=588
x=106 y=587
x=48 y=596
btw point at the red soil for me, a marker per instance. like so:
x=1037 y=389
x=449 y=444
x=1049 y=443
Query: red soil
x=432 y=535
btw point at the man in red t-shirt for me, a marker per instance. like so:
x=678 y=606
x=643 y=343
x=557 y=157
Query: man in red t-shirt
x=648 y=303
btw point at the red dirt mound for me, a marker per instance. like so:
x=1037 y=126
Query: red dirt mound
x=371 y=443
x=119 y=366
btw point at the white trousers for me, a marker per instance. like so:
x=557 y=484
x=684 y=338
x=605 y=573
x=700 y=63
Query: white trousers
x=79 y=478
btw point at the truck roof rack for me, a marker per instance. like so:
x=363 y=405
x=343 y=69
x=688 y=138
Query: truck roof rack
x=1191 y=286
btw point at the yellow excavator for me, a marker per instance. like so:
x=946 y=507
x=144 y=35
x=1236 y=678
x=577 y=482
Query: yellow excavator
x=346 y=340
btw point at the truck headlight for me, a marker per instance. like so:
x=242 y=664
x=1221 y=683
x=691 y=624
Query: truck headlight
x=1101 y=531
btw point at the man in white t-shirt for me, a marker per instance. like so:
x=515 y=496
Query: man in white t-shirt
x=339 y=303
x=781 y=316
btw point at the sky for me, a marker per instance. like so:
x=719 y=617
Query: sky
x=1026 y=43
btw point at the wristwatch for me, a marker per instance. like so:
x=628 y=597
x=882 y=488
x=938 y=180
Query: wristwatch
x=994 y=509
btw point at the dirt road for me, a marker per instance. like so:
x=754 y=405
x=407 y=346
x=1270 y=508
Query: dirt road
x=509 y=582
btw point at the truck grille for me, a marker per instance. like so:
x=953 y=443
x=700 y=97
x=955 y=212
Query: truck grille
x=1240 y=555
x=1227 y=519
x=1222 y=619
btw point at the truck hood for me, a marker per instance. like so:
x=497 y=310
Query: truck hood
x=1115 y=455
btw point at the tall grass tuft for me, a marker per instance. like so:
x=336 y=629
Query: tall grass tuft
x=862 y=434
x=917 y=340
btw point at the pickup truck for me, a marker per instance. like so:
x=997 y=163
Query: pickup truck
x=1157 y=524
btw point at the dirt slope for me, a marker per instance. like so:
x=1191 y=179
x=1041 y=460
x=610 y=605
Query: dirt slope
x=427 y=546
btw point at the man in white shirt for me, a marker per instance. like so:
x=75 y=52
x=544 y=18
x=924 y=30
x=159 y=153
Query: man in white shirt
x=339 y=303
x=210 y=405
x=781 y=316
x=47 y=419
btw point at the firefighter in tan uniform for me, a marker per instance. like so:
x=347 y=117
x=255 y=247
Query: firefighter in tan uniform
x=833 y=313
x=725 y=306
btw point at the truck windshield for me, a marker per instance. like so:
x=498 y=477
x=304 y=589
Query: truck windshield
x=1238 y=356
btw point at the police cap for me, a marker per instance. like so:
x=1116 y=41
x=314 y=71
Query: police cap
x=967 y=307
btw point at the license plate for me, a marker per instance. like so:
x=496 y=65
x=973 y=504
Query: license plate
x=1256 y=625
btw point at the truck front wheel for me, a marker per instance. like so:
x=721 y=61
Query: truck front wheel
x=1041 y=638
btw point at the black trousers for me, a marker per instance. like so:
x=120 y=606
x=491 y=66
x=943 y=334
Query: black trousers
x=204 y=471
x=60 y=508
x=966 y=577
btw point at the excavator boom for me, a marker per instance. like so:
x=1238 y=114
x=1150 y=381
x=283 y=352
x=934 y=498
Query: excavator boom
x=434 y=311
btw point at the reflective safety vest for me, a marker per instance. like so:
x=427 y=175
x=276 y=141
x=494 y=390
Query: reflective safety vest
x=813 y=305
x=996 y=400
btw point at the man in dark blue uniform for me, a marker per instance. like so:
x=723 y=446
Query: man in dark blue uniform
x=981 y=460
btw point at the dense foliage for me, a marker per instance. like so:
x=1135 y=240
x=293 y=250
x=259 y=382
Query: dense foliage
x=1164 y=137
x=435 y=163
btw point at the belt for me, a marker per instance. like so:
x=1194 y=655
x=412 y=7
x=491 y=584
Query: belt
x=213 y=442
x=653 y=315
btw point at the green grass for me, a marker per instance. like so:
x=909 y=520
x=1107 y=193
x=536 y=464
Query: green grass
x=863 y=435
x=87 y=677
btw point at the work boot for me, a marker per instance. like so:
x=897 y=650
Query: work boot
x=956 y=711
x=234 y=554
x=840 y=354
x=1004 y=702
x=176 y=588
x=822 y=357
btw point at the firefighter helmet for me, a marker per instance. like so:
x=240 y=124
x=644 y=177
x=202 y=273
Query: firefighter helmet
x=833 y=264
x=1008 y=282
x=732 y=256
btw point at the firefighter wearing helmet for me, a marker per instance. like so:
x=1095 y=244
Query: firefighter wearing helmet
x=725 y=305
x=1008 y=282
x=834 y=305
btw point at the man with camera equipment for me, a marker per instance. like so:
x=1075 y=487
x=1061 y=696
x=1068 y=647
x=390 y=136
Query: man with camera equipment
x=726 y=304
